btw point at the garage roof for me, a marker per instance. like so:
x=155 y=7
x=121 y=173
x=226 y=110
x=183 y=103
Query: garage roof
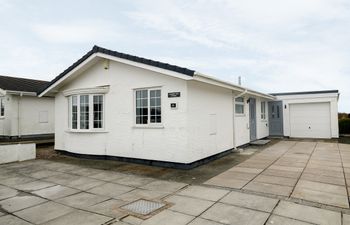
x=306 y=92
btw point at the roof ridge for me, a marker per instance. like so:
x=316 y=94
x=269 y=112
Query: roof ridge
x=98 y=49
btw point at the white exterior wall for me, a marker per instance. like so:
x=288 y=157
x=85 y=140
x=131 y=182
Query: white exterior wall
x=210 y=120
x=242 y=128
x=22 y=116
x=331 y=98
x=121 y=137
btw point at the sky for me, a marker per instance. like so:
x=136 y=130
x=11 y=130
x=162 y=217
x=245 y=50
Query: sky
x=274 y=45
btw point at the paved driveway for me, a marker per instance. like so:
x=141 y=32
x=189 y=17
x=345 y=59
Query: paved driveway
x=315 y=172
x=51 y=193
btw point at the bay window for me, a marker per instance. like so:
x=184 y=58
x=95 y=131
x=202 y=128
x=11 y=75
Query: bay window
x=2 y=107
x=148 y=106
x=86 y=112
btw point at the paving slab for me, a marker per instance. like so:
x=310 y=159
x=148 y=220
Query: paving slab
x=323 y=179
x=16 y=180
x=107 y=175
x=281 y=173
x=82 y=200
x=250 y=201
x=169 y=217
x=307 y=213
x=276 y=180
x=321 y=197
x=109 y=208
x=269 y=188
x=84 y=183
x=141 y=193
x=110 y=189
x=33 y=186
x=12 y=220
x=20 y=202
x=246 y=170
x=287 y=168
x=228 y=214
x=164 y=186
x=222 y=181
x=135 y=181
x=132 y=220
x=80 y=217
x=187 y=205
x=200 y=221
x=55 y=192
x=206 y=193
x=346 y=219
x=279 y=220
x=237 y=175
x=329 y=188
x=44 y=212
x=6 y=192
x=324 y=172
x=43 y=174
x=62 y=179
x=85 y=172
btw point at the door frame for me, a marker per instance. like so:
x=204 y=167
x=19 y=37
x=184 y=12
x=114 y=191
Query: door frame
x=252 y=119
x=270 y=116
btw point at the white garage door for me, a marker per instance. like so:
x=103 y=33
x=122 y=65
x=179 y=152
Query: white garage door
x=310 y=120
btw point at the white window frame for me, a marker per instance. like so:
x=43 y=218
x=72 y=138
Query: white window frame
x=2 y=104
x=149 y=124
x=91 y=113
x=263 y=112
x=240 y=104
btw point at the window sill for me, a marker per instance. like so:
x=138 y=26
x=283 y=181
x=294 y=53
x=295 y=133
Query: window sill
x=86 y=131
x=2 y=117
x=148 y=127
x=240 y=115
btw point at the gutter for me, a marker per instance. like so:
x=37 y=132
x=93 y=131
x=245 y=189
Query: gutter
x=21 y=93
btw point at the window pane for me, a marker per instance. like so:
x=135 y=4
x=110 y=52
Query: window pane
x=240 y=99
x=141 y=107
x=98 y=111
x=74 y=109
x=155 y=106
x=239 y=109
x=84 y=112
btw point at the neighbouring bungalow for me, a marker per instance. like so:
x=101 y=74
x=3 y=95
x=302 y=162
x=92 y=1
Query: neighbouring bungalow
x=114 y=105
x=22 y=113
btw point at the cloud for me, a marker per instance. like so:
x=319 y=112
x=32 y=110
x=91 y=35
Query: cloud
x=76 y=32
x=291 y=45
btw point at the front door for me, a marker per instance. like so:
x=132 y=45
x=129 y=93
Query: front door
x=276 y=118
x=252 y=118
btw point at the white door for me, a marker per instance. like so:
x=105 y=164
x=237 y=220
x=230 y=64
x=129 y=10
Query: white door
x=310 y=120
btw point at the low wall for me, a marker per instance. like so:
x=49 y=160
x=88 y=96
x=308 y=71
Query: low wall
x=17 y=152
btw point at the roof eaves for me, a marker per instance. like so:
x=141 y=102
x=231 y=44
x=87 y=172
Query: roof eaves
x=305 y=92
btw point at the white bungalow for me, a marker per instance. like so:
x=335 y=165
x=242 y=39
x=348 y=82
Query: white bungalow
x=22 y=114
x=114 y=105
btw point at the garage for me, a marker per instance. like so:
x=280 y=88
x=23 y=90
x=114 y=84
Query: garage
x=310 y=120
x=312 y=114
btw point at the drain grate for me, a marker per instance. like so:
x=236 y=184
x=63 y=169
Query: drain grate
x=143 y=207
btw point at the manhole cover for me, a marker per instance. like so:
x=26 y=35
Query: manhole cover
x=143 y=207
